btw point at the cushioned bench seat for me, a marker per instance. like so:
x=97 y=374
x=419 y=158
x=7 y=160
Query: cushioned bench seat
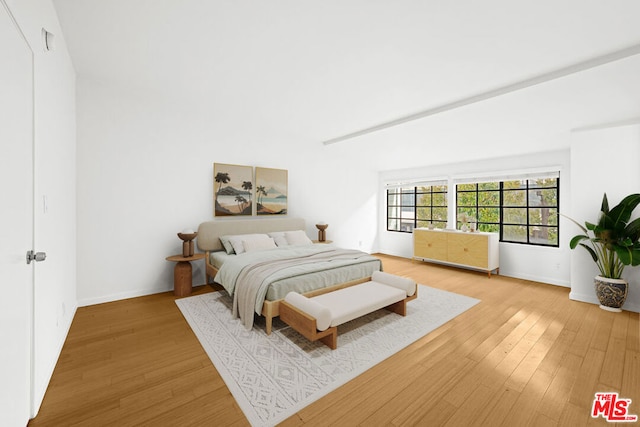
x=317 y=318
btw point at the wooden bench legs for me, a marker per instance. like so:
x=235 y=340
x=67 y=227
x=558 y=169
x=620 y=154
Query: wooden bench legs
x=401 y=306
x=306 y=325
x=331 y=339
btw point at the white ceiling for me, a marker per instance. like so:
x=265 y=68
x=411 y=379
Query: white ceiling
x=311 y=71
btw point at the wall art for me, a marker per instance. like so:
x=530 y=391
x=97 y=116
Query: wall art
x=271 y=191
x=232 y=190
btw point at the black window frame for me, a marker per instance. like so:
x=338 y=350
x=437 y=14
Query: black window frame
x=529 y=227
x=415 y=192
x=492 y=227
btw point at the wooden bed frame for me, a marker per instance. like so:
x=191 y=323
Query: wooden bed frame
x=208 y=240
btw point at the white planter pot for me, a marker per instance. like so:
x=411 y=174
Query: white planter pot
x=611 y=293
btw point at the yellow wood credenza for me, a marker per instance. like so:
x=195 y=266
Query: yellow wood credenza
x=475 y=250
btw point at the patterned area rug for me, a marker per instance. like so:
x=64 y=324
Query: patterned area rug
x=273 y=377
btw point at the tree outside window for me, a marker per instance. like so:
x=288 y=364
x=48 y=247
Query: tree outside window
x=417 y=206
x=522 y=211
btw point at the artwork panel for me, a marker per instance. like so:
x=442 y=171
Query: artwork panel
x=271 y=191
x=232 y=190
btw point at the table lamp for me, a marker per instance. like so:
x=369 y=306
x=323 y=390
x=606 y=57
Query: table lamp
x=187 y=237
x=322 y=235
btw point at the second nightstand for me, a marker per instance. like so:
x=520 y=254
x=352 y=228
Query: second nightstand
x=182 y=273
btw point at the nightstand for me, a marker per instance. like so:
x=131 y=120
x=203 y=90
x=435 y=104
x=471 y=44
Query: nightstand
x=182 y=276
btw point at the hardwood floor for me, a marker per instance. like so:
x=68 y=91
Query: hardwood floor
x=526 y=355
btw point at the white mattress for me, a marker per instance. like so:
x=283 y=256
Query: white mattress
x=218 y=258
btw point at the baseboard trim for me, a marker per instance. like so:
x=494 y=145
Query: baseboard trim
x=503 y=272
x=592 y=299
x=120 y=296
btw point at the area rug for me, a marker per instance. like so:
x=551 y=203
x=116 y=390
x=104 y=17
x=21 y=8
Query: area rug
x=274 y=376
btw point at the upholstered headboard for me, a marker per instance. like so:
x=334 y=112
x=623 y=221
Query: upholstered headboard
x=209 y=232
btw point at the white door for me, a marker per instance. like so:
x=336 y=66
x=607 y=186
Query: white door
x=16 y=222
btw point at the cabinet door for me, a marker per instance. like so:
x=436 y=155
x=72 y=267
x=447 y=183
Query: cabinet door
x=430 y=244
x=468 y=248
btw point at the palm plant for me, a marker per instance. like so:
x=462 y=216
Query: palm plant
x=241 y=201
x=222 y=178
x=261 y=191
x=613 y=242
x=248 y=186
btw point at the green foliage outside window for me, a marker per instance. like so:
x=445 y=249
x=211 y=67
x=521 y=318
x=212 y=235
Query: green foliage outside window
x=411 y=207
x=523 y=211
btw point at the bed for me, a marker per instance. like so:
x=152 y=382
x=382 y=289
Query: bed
x=259 y=278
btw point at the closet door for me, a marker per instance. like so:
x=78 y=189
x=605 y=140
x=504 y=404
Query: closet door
x=16 y=222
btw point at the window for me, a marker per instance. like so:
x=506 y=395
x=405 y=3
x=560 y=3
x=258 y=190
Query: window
x=481 y=203
x=521 y=210
x=416 y=206
x=530 y=211
x=401 y=209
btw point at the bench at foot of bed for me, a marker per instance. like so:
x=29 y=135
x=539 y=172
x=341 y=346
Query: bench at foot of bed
x=317 y=318
x=271 y=309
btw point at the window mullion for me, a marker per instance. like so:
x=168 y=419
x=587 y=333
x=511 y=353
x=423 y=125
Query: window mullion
x=415 y=206
x=477 y=203
x=527 y=211
x=501 y=216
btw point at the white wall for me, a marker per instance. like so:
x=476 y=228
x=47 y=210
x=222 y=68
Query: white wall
x=145 y=172
x=602 y=161
x=543 y=264
x=55 y=178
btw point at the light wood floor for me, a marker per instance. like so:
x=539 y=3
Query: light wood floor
x=526 y=355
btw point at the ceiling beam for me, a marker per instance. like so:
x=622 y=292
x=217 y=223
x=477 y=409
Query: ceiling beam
x=543 y=78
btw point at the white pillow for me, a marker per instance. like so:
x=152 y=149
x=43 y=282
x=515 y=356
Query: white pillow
x=281 y=241
x=404 y=283
x=298 y=237
x=321 y=313
x=228 y=248
x=278 y=237
x=258 y=244
x=236 y=241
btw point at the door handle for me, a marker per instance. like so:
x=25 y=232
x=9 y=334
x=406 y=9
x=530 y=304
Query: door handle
x=36 y=256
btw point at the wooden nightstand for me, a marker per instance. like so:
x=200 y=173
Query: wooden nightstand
x=182 y=276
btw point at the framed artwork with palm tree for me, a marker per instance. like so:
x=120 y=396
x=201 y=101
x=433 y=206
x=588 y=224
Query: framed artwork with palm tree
x=232 y=190
x=271 y=191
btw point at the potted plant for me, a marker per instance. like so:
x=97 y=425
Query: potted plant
x=613 y=243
